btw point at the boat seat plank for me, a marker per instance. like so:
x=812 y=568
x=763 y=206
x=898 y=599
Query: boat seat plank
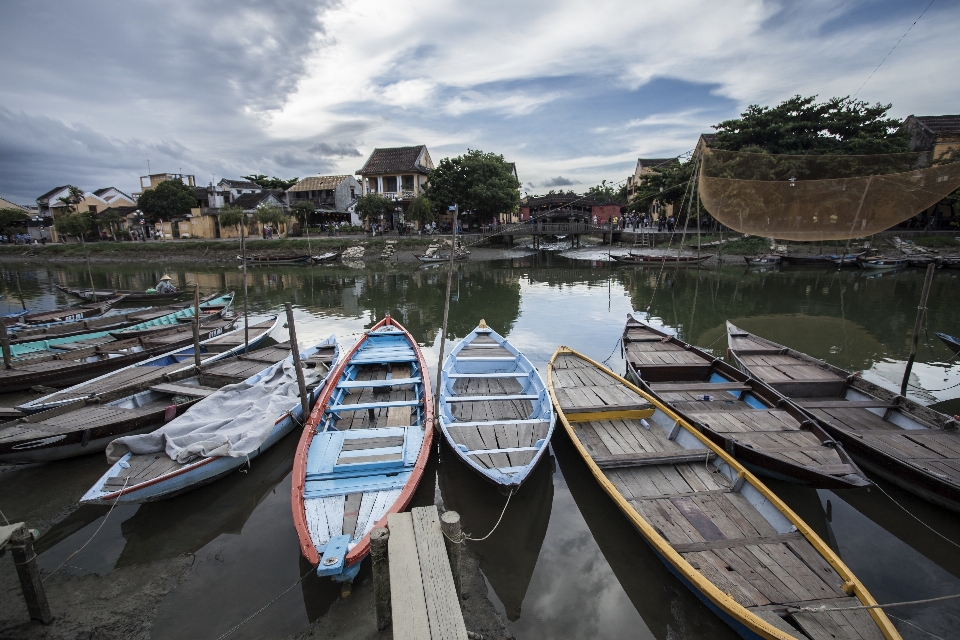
x=372 y=405
x=512 y=374
x=843 y=404
x=654 y=458
x=699 y=386
x=373 y=384
x=507 y=398
x=737 y=542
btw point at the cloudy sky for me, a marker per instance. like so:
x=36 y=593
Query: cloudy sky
x=572 y=91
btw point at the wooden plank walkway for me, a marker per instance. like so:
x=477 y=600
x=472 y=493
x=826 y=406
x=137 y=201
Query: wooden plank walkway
x=424 y=603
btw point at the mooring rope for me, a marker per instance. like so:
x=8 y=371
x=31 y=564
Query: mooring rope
x=264 y=607
x=464 y=536
x=860 y=607
x=915 y=517
x=917 y=627
x=614 y=350
x=70 y=557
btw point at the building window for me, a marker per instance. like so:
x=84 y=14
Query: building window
x=92 y=208
x=408 y=183
x=352 y=193
x=390 y=184
x=371 y=185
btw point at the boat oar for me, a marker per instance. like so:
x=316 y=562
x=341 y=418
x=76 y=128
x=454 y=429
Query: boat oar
x=20 y=292
x=196 y=325
x=297 y=365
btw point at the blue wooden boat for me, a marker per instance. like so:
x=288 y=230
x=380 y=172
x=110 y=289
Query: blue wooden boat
x=743 y=552
x=950 y=341
x=363 y=450
x=138 y=478
x=211 y=350
x=494 y=408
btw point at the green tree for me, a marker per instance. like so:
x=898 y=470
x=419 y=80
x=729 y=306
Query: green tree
x=111 y=219
x=167 y=200
x=302 y=211
x=73 y=223
x=481 y=184
x=421 y=211
x=231 y=216
x=665 y=185
x=604 y=192
x=373 y=207
x=272 y=183
x=271 y=215
x=13 y=221
x=804 y=126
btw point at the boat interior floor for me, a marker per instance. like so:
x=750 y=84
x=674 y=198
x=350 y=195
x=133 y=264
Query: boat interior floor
x=718 y=531
x=397 y=416
x=501 y=441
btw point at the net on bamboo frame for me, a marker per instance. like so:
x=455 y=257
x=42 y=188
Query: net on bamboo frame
x=820 y=197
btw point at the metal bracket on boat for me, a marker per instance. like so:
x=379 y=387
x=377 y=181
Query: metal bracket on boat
x=333 y=556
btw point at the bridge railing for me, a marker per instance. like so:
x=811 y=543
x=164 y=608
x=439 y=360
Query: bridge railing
x=544 y=228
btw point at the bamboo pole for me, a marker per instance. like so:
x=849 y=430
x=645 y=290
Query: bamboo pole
x=446 y=315
x=243 y=259
x=93 y=289
x=23 y=304
x=921 y=313
x=196 y=325
x=5 y=345
x=297 y=365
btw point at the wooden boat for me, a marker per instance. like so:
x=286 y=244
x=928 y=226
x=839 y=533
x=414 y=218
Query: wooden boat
x=42 y=347
x=762 y=261
x=142 y=374
x=951 y=342
x=129 y=297
x=847 y=259
x=950 y=263
x=645 y=258
x=329 y=256
x=63 y=314
x=439 y=257
x=138 y=478
x=809 y=261
x=725 y=535
x=881 y=263
x=738 y=413
x=923 y=261
x=265 y=260
x=494 y=409
x=129 y=407
x=363 y=450
x=81 y=362
x=911 y=445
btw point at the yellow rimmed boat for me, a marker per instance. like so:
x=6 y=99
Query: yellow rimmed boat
x=724 y=534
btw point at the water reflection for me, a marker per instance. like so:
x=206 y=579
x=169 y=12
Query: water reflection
x=509 y=556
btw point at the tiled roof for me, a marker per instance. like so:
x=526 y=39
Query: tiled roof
x=252 y=200
x=101 y=192
x=940 y=124
x=6 y=204
x=655 y=162
x=240 y=184
x=318 y=183
x=395 y=160
x=52 y=192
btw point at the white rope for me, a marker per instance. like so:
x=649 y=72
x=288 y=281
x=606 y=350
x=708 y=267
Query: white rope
x=464 y=536
x=917 y=627
x=70 y=557
x=264 y=607
x=915 y=517
x=821 y=607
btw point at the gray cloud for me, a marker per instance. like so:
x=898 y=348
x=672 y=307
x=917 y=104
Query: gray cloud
x=559 y=181
x=340 y=150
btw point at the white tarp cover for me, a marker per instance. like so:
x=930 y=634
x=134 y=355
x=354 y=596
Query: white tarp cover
x=233 y=422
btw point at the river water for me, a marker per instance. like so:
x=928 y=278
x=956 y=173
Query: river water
x=564 y=563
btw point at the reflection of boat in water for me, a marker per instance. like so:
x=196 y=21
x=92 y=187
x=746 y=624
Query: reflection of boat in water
x=667 y=607
x=878 y=508
x=509 y=556
x=187 y=523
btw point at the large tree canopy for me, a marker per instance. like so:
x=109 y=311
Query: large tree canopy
x=168 y=199
x=802 y=126
x=272 y=183
x=13 y=221
x=480 y=183
x=796 y=126
x=374 y=206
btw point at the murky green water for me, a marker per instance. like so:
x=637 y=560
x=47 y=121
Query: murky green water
x=564 y=563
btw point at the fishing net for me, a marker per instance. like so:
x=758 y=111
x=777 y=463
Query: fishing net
x=820 y=197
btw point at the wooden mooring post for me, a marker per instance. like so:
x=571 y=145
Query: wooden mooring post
x=414 y=584
x=20 y=540
x=921 y=314
x=196 y=325
x=297 y=365
x=5 y=345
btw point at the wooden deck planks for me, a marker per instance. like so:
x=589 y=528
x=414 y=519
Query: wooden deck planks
x=408 y=602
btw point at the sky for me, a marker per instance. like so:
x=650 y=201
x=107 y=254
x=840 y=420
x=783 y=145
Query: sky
x=573 y=92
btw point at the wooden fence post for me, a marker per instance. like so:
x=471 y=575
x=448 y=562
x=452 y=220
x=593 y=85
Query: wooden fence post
x=5 y=345
x=379 y=539
x=25 y=558
x=450 y=525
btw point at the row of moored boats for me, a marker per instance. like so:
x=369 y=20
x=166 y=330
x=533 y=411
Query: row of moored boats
x=677 y=444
